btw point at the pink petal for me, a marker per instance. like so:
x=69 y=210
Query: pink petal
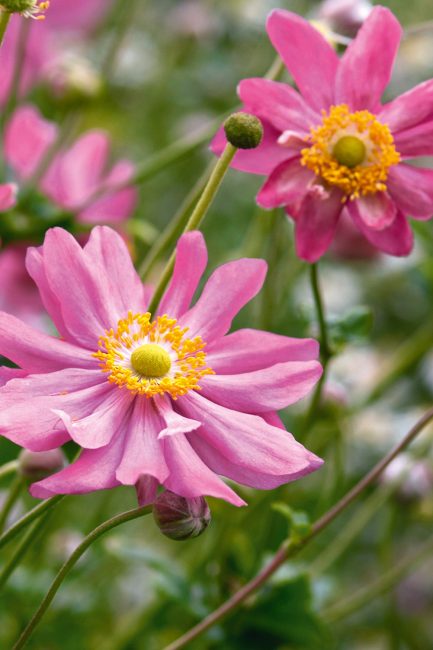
x=108 y=255
x=94 y=470
x=27 y=406
x=377 y=211
x=287 y=184
x=261 y=160
x=263 y=390
x=113 y=207
x=247 y=440
x=191 y=260
x=143 y=452
x=86 y=299
x=412 y=189
x=247 y=350
x=6 y=374
x=228 y=289
x=417 y=141
x=277 y=103
x=367 y=64
x=396 y=239
x=308 y=56
x=38 y=352
x=316 y=223
x=77 y=173
x=27 y=139
x=36 y=269
x=97 y=429
x=76 y=15
x=8 y=196
x=410 y=109
x=189 y=476
x=174 y=422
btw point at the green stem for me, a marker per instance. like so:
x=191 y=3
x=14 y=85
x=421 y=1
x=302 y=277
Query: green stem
x=289 y=548
x=29 y=538
x=8 y=468
x=174 y=226
x=4 y=21
x=215 y=179
x=27 y=519
x=20 y=56
x=70 y=563
x=124 y=20
x=12 y=497
x=389 y=579
x=325 y=349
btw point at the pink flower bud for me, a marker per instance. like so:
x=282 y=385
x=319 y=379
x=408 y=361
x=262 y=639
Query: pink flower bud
x=345 y=16
x=179 y=518
x=36 y=465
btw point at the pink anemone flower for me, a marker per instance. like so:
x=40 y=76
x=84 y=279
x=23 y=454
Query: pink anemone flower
x=333 y=145
x=78 y=178
x=170 y=400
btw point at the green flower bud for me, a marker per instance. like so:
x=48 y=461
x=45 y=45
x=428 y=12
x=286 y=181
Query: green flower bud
x=36 y=465
x=179 y=518
x=243 y=131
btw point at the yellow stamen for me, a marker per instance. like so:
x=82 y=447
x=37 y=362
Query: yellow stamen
x=151 y=358
x=352 y=151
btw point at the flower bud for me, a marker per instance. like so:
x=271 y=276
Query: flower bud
x=345 y=16
x=243 y=131
x=36 y=465
x=27 y=8
x=179 y=518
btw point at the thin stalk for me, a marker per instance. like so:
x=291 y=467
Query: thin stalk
x=215 y=179
x=20 y=56
x=289 y=548
x=4 y=22
x=9 y=503
x=174 y=226
x=325 y=349
x=8 y=468
x=27 y=519
x=389 y=579
x=70 y=563
x=29 y=538
x=123 y=22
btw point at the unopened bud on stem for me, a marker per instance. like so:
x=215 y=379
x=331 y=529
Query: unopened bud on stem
x=243 y=131
x=36 y=465
x=179 y=518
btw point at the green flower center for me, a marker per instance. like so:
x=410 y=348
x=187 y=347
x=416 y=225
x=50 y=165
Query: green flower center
x=349 y=151
x=151 y=360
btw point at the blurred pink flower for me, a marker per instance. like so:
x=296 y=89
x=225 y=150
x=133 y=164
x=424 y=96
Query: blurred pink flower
x=44 y=41
x=334 y=145
x=78 y=179
x=125 y=388
x=76 y=15
x=18 y=293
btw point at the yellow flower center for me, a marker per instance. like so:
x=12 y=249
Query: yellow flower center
x=352 y=151
x=151 y=358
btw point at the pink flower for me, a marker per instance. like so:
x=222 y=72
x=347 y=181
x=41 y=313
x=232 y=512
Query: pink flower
x=76 y=15
x=18 y=293
x=77 y=179
x=334 y=144
x=126 y=389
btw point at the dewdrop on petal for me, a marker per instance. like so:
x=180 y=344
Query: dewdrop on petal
x=36 y=465
x=27 y=8
x=243 y=131
x=179 y=518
